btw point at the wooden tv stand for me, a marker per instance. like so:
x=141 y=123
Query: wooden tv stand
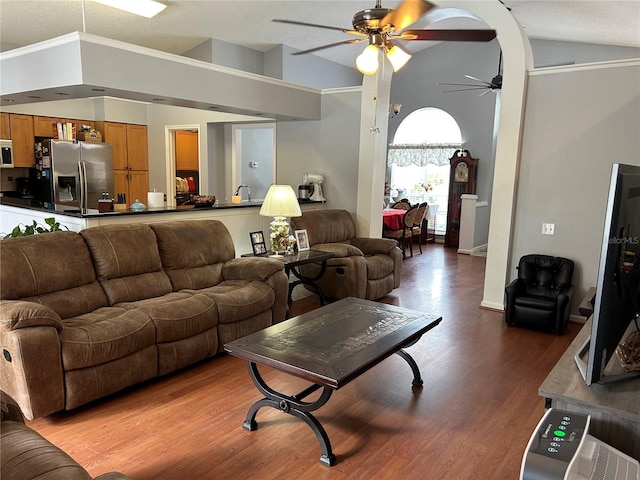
x=614 y=407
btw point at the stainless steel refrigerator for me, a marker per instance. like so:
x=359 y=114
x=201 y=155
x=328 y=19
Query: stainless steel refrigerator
x=81 y=173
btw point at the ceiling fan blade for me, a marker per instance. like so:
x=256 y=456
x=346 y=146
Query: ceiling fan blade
x=462 y=85
x=407 y=13
x=451 y=35
x=484 y=93
x=465 y=89
x=478 y=80
x=328 y=27
x=337 y=44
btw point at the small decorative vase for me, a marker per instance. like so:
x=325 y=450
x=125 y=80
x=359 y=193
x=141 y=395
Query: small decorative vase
x=279 y=235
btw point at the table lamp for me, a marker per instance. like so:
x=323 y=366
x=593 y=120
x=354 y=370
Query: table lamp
x=281 y=202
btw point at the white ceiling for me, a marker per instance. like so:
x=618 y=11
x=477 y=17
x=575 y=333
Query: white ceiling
x=185 y=24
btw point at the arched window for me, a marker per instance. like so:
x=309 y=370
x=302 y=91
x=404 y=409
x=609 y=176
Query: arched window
x=418 y=160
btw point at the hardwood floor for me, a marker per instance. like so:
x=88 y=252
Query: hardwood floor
x=471 y=420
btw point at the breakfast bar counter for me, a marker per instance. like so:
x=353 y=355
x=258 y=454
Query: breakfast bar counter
x=240 y=219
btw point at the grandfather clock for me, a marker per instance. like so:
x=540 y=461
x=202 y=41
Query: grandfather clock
x=462 y=179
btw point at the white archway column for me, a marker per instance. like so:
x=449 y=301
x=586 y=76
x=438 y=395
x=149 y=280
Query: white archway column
x=517 y=60
x=374 y=113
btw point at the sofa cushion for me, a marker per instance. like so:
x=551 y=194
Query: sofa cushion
x=65 y=282
x=193 y=251
x=177 y=315
x=127 y=262
x=104 y=335
x=238 y=299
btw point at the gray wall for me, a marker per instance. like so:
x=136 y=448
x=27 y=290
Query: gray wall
x=578 y=122
x=329 y=146
x=415 y=86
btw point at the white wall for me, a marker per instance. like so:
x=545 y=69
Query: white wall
x=579 y=120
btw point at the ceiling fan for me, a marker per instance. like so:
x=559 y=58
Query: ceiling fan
x=382 y=27
x=492 y=86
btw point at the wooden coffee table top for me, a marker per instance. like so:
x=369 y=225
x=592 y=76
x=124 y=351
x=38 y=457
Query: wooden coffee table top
x=334 y=344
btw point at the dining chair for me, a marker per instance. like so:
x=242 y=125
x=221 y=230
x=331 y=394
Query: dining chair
x=403 y=204
x=405 y=234
x=416 y=229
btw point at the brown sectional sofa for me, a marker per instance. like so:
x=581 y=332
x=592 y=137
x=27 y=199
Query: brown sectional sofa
x=84 y=315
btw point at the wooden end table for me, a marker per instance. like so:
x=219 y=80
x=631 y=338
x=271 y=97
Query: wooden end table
x=293 y=261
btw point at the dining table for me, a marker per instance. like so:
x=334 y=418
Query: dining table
x=393 y=218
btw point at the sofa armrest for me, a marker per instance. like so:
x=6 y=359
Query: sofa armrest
x=251 y=268
x=340 y=250
x=373 y=246
x=15 y=314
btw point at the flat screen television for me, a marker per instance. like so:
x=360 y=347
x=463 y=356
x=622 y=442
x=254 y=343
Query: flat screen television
x=616 y=311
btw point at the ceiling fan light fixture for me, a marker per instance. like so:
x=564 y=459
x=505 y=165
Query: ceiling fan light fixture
x=397 y=57
x=367 y=62
x=144 y=8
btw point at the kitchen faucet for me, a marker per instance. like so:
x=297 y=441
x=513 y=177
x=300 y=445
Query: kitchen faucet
x=248 y=191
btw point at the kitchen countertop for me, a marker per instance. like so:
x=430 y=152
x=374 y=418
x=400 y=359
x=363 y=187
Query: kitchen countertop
x=31 y=204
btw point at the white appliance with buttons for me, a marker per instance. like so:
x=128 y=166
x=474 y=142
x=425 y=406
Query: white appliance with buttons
x=6 y=160
x=561 y=449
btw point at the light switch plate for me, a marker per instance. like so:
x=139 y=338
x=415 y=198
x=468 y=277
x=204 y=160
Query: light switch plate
x=548 y=229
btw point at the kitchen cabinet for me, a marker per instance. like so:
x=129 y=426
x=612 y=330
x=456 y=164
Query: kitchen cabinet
x=186 y=150
x=45 y=126
x=133 y=183
x=5 y=128
x=22 y=140
x=137 y=147
x=130 y=158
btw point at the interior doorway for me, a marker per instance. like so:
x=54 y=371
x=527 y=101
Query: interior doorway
x=419 y=168
x=184 y=170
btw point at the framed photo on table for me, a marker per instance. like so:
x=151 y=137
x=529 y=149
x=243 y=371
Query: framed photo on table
x=257 y=243
x=302 y=239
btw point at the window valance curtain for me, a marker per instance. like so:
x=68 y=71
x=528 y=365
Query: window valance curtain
x=421 y=155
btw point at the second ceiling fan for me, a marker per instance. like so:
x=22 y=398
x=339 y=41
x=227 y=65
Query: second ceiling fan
x=382 y=28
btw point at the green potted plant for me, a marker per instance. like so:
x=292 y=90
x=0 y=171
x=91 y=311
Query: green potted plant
x=22 y=230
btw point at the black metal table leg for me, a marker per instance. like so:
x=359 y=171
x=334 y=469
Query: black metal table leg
x=303 y=280
x=292 y=405
x=417 y=379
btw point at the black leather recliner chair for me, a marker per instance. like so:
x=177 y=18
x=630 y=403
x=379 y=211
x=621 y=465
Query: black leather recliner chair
x=541 y=296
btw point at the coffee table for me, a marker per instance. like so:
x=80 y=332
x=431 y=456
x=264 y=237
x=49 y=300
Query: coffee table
x=329 y=347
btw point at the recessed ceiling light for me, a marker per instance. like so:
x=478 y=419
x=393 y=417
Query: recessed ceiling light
x=144 y=8
x=33 y=96
x=97 y=89
x=8 y=100
x=64 y=94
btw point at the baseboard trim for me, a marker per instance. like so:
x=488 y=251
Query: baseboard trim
x=495 y=307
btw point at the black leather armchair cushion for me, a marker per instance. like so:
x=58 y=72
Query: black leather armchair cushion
x=541 y=296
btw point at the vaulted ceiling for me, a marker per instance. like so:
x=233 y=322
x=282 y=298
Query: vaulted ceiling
x=185 y=24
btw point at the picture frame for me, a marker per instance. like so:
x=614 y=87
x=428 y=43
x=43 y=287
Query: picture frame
x=257 y=242
x=302 y=239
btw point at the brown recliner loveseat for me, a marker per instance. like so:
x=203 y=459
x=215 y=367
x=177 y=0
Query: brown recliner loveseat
x=28 y=455
x=84 y=315
x=367 y=268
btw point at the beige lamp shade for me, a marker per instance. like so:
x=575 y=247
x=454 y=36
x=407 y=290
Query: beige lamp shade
x=281 y=201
